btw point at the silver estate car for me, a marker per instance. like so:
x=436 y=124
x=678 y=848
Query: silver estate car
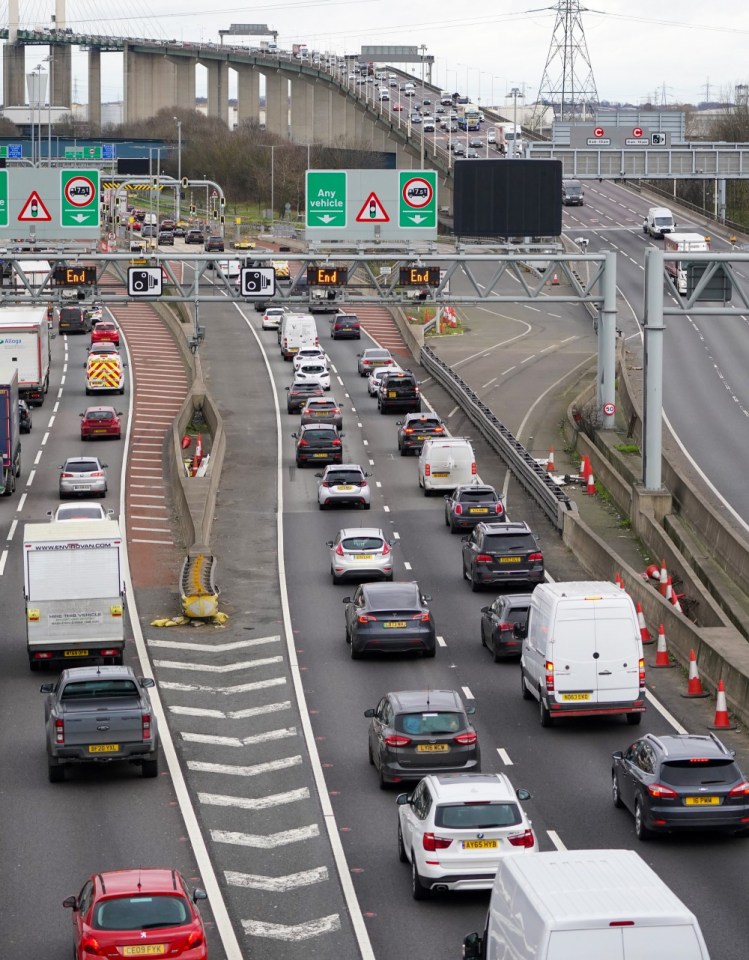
x=358 y=553
x=82 y=475
x=345 y=485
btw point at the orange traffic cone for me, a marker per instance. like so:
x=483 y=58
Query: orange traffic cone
x=590 y=485
x=661 y=653
x=618 y=580
x=673 y=598
x=669 y=589
x=644 y=632
x=585 y=467
x=550 y=468
x=722 y=720
x=664 y=579
x=555 y=281
x=694 y=684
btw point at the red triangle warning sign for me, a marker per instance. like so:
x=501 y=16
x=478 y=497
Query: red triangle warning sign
x=34 y=209
x=372 y=211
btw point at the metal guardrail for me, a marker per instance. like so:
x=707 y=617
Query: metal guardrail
x=531 y=475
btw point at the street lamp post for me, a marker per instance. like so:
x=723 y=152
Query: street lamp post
x=515 y=93
x=179 y=165
x=422 y=50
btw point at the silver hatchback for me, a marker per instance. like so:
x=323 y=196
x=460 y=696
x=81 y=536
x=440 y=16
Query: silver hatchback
x=82 y=475
x=358 y=553
x=344 y=485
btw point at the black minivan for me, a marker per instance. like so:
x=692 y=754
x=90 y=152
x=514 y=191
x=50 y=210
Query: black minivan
x=345 y=326
x=572 y=193
x=73 y=320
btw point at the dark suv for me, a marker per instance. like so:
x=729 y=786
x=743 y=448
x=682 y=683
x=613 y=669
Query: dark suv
x=504 y=625
x=214 y=244
x=415 y=428
x=399 y=391
x=299 y=394
x=318 y=443
x=502 y=553
x=680 y=782
x=469 y=504
x=345 y=326
x=73 y=320
x=194 y=236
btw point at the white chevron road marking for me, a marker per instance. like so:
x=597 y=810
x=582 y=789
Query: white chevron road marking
x=252 y=771
x=238 y=688
x=213 y=648
x=266 y=841
x=254 y=803
x=216 y=668
x=232 y=714
x=244 y=742
x=276 y=884
x=292 y=932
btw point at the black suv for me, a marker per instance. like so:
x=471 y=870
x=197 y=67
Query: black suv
x=504 y=625
x=166 y=238
x=318 y=443
x=399 y=391
x=194 y=236
x=299 y=394
x=680 y=782
x=73 y=320
x=415 y=428
x=214 y=244
x=502 y=553
x=472 y=503
x=24 y=417
x=345 y=326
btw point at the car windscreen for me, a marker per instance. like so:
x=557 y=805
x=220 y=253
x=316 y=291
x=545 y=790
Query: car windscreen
x=430 y=723
x=399 y=385
x=423 y=426
x=71 y=313
x=662 y=221
x=99 y=415
x=327 y=405
x=311 y=436
x=80 y=513
x=476 y=816
x=306 y=387
x=312 y=368
x=362 y=544
x=142 y=912
x=517 y=615
x=344 y=476
x=347 y=322
x=509 y=543
x=376 y=355
x=690 y=773
x=82 y=466
x=482 y=495
x=94 y=688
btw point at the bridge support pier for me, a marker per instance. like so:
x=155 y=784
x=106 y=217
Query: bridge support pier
x=61 y=74
x=94 y=87
x=153 y=83
x=218 y=88
x=14 y=70
x=303 y=111
x=277 y=103
x=323 y=122
x=248 y=95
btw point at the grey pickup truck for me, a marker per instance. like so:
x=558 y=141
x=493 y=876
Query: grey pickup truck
x=100 y=714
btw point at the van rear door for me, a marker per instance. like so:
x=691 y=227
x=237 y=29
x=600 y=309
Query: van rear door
x=573 y=653
x=618 y=653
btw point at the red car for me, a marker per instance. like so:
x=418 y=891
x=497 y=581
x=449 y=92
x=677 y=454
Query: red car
x=105 y=330
x=101 y=422
x=146 y=912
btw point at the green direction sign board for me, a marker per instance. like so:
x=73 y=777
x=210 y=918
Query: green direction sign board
x=326 y=198
x=3 y=198
x=83 y=153
x=417 y=199
x=79 y=198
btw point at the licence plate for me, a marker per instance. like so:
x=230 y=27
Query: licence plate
x=319 y=454
x=104 y=748
x=392 y=394
x=702 y=801
x=100 y=430
x=144 y=950
x=76 y=653
x=509 y=559
x=480 y=844
x=432 y=748
x=478 y=509
x=422 y=436
x=575 y=696
x=363 y=556
x=344 y=487
x=394 y=624
x=440 y=474
x=81 y=486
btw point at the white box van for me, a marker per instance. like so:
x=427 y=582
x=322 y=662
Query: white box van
x=297 y=330
x=409 y=90
x=658 y=222
x=582 y=654
x=584 y=905
x=445 y=463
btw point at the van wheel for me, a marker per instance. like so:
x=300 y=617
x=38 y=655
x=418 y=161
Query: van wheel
x=640 y=829
x=543 y=713
x=633 y=719
x=524 y=691
x=418 y=890
x=55 y=772
x=150 y=768
x=615 y=791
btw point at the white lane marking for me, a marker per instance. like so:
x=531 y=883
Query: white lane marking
x=386 y=509
x=51 y=421
x=339 y=380
x=488 y=383
x=282 y=734
x=353 y=409
x=333 y=367
x=365 y=442
x=360 y=425
x=12 y=530
x=377 y=483
x=21 y=502
x=467 y=693
x=293 y=932
x=62 y=379
x=291 y=881
x=266 y=841
x=254 y=803
x=254 y=770
x=528 y=359
x=441 y=642
x=396 y=535
x=65 y=366
x=665 y=713
x=59 y=393
x=508 y=370
x=504 y=757
x=3 y=561
x=227 y=691
x=232 y=714
x=454 y=410
x=32 y=474
x=56 y=407
x=213 y=648
x=406 y=564
x=555 y=839
x=45 y=438
x=217 y=668
x=37 y=458
x=371 y=463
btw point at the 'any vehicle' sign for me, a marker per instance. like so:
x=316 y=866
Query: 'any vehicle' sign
x=79 y=198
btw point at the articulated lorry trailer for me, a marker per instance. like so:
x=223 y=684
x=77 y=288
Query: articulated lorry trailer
x=25 y=348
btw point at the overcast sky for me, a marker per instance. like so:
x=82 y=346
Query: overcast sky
x=635 y=46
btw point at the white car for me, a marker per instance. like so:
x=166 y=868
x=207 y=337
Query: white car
x=81 y=510
x=358 y=553
x=454 y=828
x=310 y=355
x=313 y=370
x=345 y=485
x=373 y=381
x=272 y=318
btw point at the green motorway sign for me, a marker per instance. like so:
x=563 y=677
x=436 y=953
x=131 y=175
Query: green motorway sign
x=417 y=199
x=3 y=198
x=83 y=153
x=326 y=198
x=79 y=198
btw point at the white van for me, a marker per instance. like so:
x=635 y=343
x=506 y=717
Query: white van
x=586 y=905
x=582 y=655
x=658 y=222
x=409 y=90
x=445 y=463
x=297 y=330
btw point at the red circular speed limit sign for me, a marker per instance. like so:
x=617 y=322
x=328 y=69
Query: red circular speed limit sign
x=80 y=191
x=637 y=132
x=609 y=409
x=598 y=132
x=417 y=192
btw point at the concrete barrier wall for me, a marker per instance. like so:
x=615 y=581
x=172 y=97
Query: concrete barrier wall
x=414 y=336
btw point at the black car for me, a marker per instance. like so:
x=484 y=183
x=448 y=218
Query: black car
x=476 y=142
x=414 y=429
x=179 y=231
x=473 y=503
x=24 y=417
x=73 y=320
x=194 y=236
x=680 y=782
x=502 y=553
x=345 y=326
x=214 y=244
x=413 y=733
x=299 y=394
x=166 y=238
x=399 y=391
x=318 y=443
x=389 y=618
x=504 y=624
x=148 y=230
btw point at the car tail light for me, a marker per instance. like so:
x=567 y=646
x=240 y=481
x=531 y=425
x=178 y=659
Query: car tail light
x=285 y=342
x=549 y=667
x=430 y=842
x=423 y=617
x=365 y=618
x=641 y=667
x=658 y=790
x=535 y=557
x=195 y=939
x=336 y=442
x=386 y=549
x=303 y=443
x=427 y=470
x=740 y=790
x=335 y=411
x=90 y=945
x=59 y=731
x=498 y=508
x=439 y=430
x=67 y=475
x=484 y=558
x=408 y=430
x=146 y=731
x=394 y=740
x=524 y=839
x=339 y=549
x=96 y=473
x=458 y=509
x=474 y=471
x=466 y=739
x=504 y=625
